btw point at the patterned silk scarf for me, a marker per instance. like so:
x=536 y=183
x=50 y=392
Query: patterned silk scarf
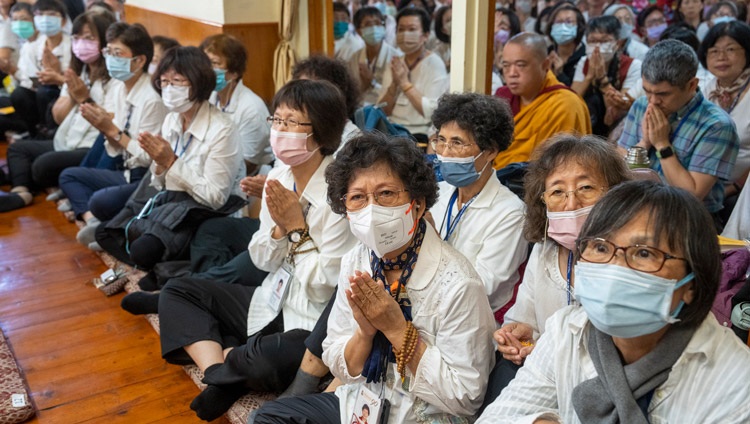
x=382 y=352
x=727 y=97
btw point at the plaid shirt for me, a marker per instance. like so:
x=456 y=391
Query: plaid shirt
x=707 y=142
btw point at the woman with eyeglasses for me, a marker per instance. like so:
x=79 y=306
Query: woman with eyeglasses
x=99 y=194
x=644 y=346
x=475 y=213
x=245 y=337
x=725 y=52
x=563 y=183
x=37 y=164
x=411 y=324
x=195 y=168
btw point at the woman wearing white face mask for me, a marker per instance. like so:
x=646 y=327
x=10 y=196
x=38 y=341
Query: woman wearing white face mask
x=475 y=213
x=644 y=347
x=300 y=242
x=195 y=170
x=416 y=80
x=563 y=183
x=606 y=76
x=411 y=323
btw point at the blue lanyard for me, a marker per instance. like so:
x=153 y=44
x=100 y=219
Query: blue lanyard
x=184 y=147
x=682 y=121
x=307 y=209
x=570 y=266
x=452 y=228
x=126 y=129
x=218 y=104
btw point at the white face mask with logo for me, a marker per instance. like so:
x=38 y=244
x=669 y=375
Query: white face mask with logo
x=383 y=229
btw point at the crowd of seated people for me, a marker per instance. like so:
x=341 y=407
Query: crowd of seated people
x=288 y=248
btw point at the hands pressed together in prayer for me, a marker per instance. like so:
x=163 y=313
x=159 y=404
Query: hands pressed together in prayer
x=655 y=128
x=515 y=341
x=284 y=207
x=253 y=186
x=373 y=308
x=158 y=149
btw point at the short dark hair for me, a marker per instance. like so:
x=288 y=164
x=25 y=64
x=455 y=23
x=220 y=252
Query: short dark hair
x=670 y=61
x=515 y=23
x=165 y=43
x=97 y=22
x=364 y=12
x=736 y=30
x=22 y=7
x=323 y=104
x=675 y=215
x=718 y=5
x=50 y=5
x=341 y=7
x=335 y=71
x=488 y=119
x=580 y=21
x=424 y=18
x=683 y=32
x=191 y=63
x=542 y=19
x=228 y=47
x=640 y=20
x=589 y=151
x=679 y=17
x=364 y=406
x=439 y=34
x=135 y=37
x=605 y=25
x=370 y=148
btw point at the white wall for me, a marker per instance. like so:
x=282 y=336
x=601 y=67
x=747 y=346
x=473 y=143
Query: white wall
x=204 y=10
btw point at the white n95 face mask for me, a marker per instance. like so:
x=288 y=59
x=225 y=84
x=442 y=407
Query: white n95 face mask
x=383 y=229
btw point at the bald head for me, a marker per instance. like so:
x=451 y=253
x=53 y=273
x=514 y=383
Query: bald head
x=532 y=42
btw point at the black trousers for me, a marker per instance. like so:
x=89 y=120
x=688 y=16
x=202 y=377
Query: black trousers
x=320 y=408
x=192 y=310
x=500 y=377
x=314 y=342
x=36 y=164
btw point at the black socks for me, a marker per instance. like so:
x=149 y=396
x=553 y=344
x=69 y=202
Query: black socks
x=141 y=303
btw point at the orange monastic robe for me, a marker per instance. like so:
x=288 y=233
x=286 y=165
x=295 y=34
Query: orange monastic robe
x=556 y=109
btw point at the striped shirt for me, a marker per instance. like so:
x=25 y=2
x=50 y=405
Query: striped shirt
x=707 y=384
x=706 y=142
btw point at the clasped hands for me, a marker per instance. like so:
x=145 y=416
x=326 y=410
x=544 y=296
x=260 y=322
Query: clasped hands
x=158 y=149
x=373 y=308
x=284 y=208
x=655 y=129
x=515 y=341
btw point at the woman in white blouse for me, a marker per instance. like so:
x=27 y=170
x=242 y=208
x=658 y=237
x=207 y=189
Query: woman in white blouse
x=644 y=346
x=38 y=163
x=562 y=185
x=252 y=337
x=411 y=324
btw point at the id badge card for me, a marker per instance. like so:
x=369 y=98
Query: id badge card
x=280 y=287
x=367 y=408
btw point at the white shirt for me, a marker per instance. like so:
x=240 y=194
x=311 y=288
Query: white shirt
x=429 y=78
x=636 y=49
x=316 y=272
x=632 y=78
x=75 y=132
x=543 y=291
x=209 y=165
x=741 y=119
x=738 y=225
x=707 y=384
x=62 y=52
x=378 y=69
x=451 y=313
x=7 y=38
x=249 y=113
x=489 y=234
x=345 y=47
x=143 y=109
x=27 y=64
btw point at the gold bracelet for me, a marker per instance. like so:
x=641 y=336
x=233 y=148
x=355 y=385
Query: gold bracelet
x=408 y=87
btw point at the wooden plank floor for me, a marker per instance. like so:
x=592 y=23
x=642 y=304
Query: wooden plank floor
x=85 y=359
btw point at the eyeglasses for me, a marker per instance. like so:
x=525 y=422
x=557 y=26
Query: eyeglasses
x=175 y=83
x=356 y=200
x=586 y=194
x=654 y=22
x=441 y=145
x=729 y=51
x=113 y=52
x=290 y=123
x=638 y=257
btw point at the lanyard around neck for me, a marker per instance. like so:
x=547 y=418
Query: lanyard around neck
x=682 y=121
x=452 y=226
x=184 y=146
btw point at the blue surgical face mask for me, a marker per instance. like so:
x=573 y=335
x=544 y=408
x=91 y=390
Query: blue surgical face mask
x=626 y=303
x=626 y=30
x=382 y=7
x=221 y=79
x=22 y=29
x=655 y=32
x=563 y=33
x=340 y=28
x=460 y=172
x=119 y=67
x=48 y=25
x=373 y=35
x=722 y=19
